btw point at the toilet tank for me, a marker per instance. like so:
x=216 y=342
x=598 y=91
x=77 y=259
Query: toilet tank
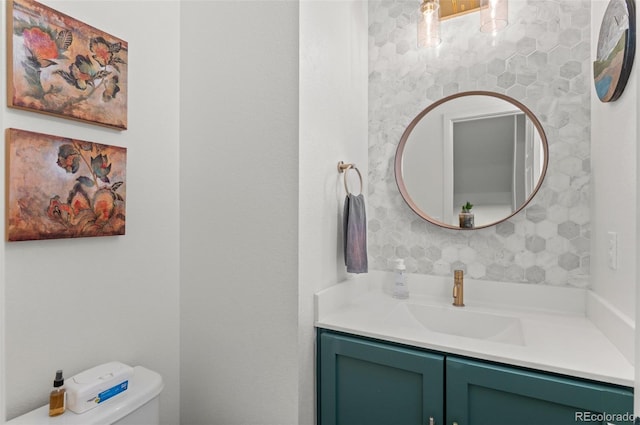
x=137 y=405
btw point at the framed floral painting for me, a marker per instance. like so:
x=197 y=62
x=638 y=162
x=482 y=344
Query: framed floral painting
x=60 y=66
x=59 y=187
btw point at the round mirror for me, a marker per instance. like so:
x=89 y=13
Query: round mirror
x=471 y=160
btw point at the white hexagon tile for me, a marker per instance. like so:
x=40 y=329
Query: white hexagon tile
x=542 y=60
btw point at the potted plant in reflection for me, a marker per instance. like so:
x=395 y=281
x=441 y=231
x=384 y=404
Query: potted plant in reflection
x=466 y=216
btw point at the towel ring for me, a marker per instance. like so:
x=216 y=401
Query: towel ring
x=343 y=168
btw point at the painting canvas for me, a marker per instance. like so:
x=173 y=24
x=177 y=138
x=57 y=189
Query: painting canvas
x=615 y=51
x=59 y=187
x=60 y=66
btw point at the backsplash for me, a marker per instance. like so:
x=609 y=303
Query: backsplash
x=542 y=59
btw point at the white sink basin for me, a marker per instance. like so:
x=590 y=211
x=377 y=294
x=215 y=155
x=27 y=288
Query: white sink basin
x=470 y=324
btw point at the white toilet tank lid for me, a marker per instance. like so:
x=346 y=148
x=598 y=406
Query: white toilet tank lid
x=144 y=386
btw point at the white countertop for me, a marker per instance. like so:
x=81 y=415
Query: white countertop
x=558 y=337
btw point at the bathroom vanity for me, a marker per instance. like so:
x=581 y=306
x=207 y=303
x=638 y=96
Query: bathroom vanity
x=515 y=354
x=374 y=382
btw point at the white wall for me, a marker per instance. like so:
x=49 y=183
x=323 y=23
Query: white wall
x=3 y=64
x=636 y=282
x=333 y=128
x=613 y=190
x=239 y=212
x=239 y=237
x=614 y=202
x=75 y=303
x=2 y=220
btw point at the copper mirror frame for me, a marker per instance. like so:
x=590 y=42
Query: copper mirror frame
x=405 y=137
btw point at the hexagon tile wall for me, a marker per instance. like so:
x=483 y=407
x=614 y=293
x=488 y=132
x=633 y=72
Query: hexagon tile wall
x=541 y=59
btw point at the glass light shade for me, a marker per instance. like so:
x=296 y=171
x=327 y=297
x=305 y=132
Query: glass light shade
x=494 y=15
x=429 y=24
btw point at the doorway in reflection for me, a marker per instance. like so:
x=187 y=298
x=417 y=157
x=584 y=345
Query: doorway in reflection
x=496 y=163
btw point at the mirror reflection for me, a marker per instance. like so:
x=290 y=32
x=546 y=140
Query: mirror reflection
x=471 y=160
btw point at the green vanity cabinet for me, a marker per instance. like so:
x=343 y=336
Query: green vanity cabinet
x=484 y=393
x=365 y=381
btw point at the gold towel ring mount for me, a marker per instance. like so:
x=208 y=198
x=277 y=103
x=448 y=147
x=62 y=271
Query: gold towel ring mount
x=343 y=168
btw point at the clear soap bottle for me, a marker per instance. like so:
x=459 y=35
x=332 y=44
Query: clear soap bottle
x=58 y=396
x=400 y=289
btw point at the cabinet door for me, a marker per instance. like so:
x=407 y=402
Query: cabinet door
x=485 y=394
x=371 y=383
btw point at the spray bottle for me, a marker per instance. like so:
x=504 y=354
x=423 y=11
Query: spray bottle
x=58 y=396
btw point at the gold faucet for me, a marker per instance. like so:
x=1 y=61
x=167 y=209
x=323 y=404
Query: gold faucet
x=458 y=288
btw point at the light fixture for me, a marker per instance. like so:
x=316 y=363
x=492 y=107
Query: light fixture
x=429 y=24
x=451 y=8
x=493 y=17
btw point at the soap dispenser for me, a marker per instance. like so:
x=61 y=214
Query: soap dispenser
x=400 y=289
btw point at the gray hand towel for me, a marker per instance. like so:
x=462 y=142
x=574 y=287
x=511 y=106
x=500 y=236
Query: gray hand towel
x=355 y=234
